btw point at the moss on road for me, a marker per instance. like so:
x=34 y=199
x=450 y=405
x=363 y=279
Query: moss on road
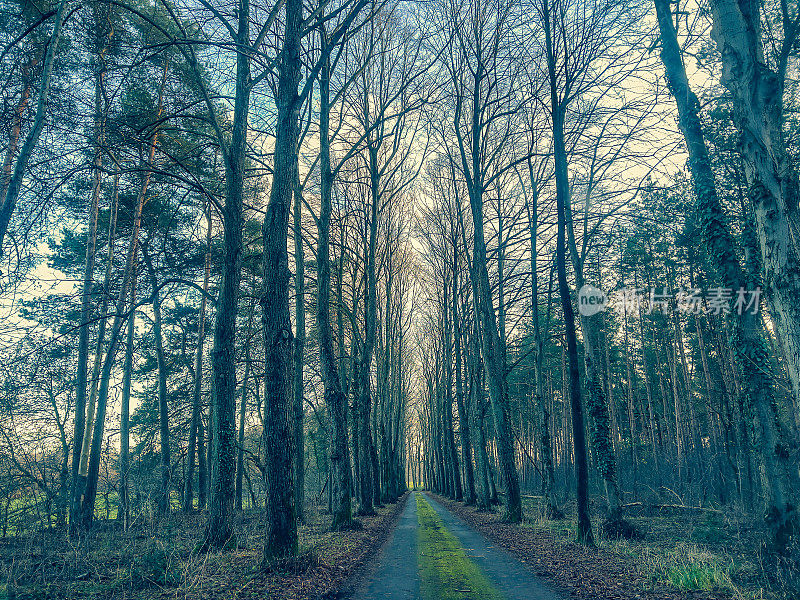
x=446 y=572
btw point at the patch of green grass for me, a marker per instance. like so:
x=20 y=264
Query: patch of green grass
x=689 y=568
x=699 y=571
x=696 y=576
x=446 y=573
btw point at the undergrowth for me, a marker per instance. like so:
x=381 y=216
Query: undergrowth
x=154 y=559
x=703 y=551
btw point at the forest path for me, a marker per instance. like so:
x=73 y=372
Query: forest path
x=434 y=555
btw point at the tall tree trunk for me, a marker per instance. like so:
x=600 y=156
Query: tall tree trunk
x=757 y=92
x=597 y=403
x=240 y=467
x=492 y=348
x=545 y=445
x=196 y=426
x=463 y=413
x=478 y=414
x=62 y=500
x=437 y=416
x=335 y=398
x=366 y=477
x=163 y=412
x=458 y=492
x=385 y=391
x=299 y=348
x=281 y=521
x=562 y=191
x=124 y=428
x=592 y=326
x=93 y=467
x=16 y=123
x=631 y=404
x=203 y=477
x=616 y=434
x=219 y=530
x=493 y=353
x=772 y=192
x=501 y=299
x=79 y=479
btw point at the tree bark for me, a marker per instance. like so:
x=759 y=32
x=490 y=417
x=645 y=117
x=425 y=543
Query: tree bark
x=219 y=530
x=163 y=412
x=771 y=176
x=545 y=444
x=492 y=351
x=93 y=467
x=592 y=326
x=79 y=479
x=463 y=413
x=240 y=467
x=299 y=349
x=584 y=533
x=196 y=427
x=281 y=521
x=478 y=411
x=366 y=473
x=124 y=428
x=335 y=399
x=455 y=470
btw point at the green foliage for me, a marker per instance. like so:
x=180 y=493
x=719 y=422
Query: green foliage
x=68 y=253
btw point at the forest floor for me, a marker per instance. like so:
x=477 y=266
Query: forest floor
x=161 y=561
x=680 y=554
x=437 y=549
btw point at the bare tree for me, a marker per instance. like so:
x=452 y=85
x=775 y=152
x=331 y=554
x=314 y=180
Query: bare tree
x=485 y=104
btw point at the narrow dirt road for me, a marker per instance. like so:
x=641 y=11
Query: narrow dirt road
x=434 y=555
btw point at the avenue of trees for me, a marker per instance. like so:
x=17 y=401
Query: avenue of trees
x=274 y=253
